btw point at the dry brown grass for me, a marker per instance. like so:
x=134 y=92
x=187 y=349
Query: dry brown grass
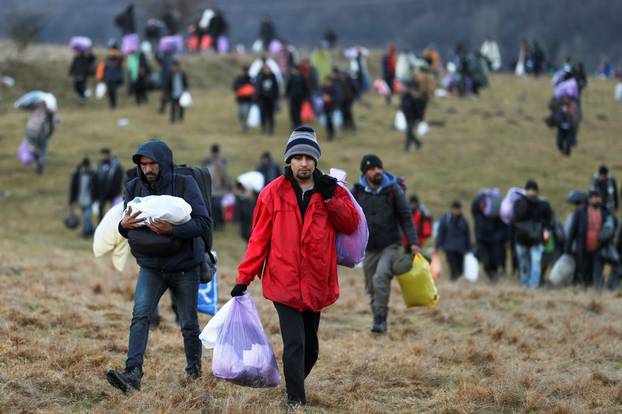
x=64 y=316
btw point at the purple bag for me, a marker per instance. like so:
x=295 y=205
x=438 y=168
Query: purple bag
x=171 y=44
x=130 y=43
x=507 y=205
x=223 y=44
x=25 y=153
x=243 y=354
x=81 y=43
x=567 y=88
x=351 y=247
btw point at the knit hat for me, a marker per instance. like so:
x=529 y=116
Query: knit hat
x=370 y=161
x=531 y=185
x=302 y=141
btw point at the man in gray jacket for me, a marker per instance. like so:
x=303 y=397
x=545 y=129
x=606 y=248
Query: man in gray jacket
x=387 y=211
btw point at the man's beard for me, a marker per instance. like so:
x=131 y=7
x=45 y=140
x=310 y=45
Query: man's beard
x=377 y=179
x=304 y=175
x=151 y=177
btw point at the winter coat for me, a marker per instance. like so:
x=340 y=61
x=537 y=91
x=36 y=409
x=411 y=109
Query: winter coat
x=579 y=229
x=113 y=69
x=453 y=234
x=191 y=254
x=295 y=258
x=538 y=211
x=110 y=179
x=74 y=189
x=413 y=107
x=82 y=66
x=238 y=83
x=488 y=229
x=168 y=85
x=267 y=87
x=608 y=191
x=297 y=89
x=386 y=211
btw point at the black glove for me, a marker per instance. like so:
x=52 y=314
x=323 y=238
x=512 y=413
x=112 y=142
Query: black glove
x=326 y=186
x=238 y=290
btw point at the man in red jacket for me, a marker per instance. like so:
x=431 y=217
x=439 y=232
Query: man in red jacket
x=292 y=250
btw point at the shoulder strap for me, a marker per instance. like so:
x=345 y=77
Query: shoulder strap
x=179 y=185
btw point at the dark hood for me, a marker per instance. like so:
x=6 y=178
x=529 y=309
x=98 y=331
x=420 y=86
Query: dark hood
x=160 y=152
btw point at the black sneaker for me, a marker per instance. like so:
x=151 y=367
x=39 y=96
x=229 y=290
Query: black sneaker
x=194 y=373
x=126 y=381
x=380 y=325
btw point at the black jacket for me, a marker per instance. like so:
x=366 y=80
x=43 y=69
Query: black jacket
x=538 y=210
x=267 y=87
x=110 y=179
x=453 y=234
x=413 y=107
x=82 y=66
x=386 y=211
x=74 y=188
x=192 y=253
x=608 y=190
x=488 y=229
x=168 y=85
x=269 y=172
x=297 y=89
x=578 y=231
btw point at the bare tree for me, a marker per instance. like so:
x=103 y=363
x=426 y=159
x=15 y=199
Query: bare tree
x=24 y=28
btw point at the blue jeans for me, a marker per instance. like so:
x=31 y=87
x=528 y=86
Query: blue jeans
x=150 y=286
x=87 y=221
x=530 y=264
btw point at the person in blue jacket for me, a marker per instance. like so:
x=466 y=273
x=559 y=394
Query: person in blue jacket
x=171 y=263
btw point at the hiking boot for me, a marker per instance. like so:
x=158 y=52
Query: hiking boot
x=126 y=381
x=194 y=373
x=380 y=324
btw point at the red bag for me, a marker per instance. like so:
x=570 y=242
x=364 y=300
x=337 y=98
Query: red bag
x=306 y=112
x=245 y=91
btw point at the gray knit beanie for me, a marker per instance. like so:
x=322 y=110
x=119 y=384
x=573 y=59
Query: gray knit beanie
x=302 y=141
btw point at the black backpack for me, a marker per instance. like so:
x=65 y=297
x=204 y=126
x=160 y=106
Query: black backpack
x=204 y=181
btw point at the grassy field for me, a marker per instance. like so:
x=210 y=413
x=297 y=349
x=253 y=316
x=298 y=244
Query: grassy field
x=64 y=316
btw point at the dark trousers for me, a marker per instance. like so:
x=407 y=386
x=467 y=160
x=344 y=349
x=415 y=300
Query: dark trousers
x=294 y=112
x=348 y=116
x=411 y=138
x=591 y=269
x=565 y=140
x=266 y=107
x=300 y=348
x=177 y=112
x=217 y=217
x=330 y=128
x=492 y=255
x=103 y=202
x=111 y=89
x=164 y=99
x=456 y=263
x=150 y=287
x=79 y=85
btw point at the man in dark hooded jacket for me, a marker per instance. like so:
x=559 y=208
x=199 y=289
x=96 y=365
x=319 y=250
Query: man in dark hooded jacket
x=387 y=211
x=173 y=264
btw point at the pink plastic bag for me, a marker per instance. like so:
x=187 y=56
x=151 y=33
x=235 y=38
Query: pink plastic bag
x=567 y=88
x=172 y=44
x=351 y=247
x=243 y=354
x=25 y=153
x=223 y=44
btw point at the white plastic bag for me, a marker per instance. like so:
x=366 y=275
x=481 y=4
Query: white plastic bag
x=174 y=210
x=108 y=239
x=618 y=92
x=100 y=90
x=471 y=267
x=423 y=128
x=209 y=336
x=400 y=121
x=563 y=271
x=254 y=117
x=185 y=100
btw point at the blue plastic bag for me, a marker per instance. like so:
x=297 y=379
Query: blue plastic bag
x=243 y=354
x=208 y=296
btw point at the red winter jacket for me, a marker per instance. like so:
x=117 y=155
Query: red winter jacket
x=297 y=261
